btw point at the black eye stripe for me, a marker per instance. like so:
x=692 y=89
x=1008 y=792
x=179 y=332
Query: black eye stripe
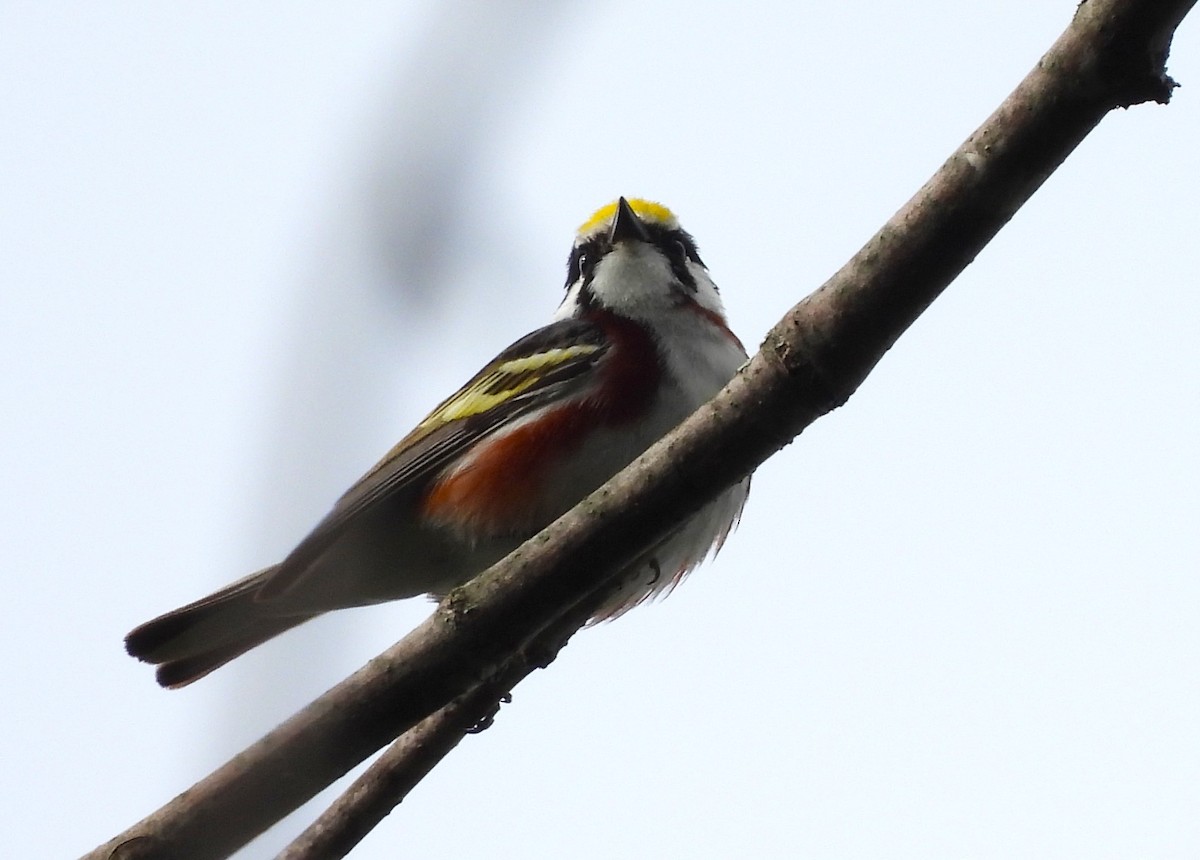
x=582 y=261
x=677 y=246
x=681 y=271
x=688 y=246
x=679 y=249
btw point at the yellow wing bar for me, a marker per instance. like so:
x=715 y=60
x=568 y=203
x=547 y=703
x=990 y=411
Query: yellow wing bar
x=505 y=380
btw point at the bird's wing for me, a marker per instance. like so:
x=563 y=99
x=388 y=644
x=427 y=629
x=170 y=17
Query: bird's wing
x=542 y=368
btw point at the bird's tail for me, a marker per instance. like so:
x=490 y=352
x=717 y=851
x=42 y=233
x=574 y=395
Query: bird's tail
x=188 y=643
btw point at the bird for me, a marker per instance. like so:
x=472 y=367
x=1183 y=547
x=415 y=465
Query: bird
x=638 y=343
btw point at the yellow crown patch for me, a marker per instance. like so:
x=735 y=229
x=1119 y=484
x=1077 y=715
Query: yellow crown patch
x=647 y=210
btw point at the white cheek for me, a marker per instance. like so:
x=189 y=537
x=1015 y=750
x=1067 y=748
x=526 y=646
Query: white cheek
x=706 y=291
x=570 y=303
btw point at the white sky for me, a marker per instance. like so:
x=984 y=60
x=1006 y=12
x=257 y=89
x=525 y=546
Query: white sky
x=960 y=616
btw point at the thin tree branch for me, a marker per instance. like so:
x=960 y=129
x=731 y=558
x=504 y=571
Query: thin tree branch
x=390 y=778
x=1112 y=55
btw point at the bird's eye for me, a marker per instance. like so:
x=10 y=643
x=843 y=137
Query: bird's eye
x=581 y=264
x=578 y=266
x=682 y=250
x=678 y=254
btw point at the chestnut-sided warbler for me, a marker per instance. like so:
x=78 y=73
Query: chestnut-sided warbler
x=639 y=342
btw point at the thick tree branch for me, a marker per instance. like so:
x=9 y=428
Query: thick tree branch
x=1112 y=55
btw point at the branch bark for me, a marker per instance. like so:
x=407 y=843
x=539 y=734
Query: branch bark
x=388 y=780
x=392 y=776
x=1112 y=55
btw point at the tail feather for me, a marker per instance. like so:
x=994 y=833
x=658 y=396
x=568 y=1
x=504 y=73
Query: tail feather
x=181 y=671
x=188 y=643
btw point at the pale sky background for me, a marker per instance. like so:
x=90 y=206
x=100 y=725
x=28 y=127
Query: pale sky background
x=247 y=245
